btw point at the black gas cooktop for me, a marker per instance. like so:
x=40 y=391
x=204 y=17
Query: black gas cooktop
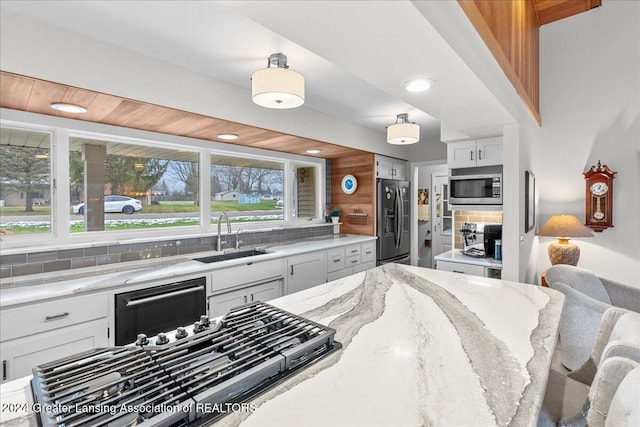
x=192 y=380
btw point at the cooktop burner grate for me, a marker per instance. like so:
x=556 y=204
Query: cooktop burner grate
x=236 y=357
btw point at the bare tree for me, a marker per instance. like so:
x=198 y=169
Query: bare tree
x=187 y=173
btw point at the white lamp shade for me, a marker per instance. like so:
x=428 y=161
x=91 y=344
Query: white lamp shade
x=403 y=133
x=277 y=87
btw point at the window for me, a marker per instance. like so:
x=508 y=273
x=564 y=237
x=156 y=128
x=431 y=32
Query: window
x=304 y=191
x=246 y=189
x=121 y=186
x=25 y=181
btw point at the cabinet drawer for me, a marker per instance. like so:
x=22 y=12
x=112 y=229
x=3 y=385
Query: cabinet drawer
x=364 y=266
x=46 y=316
x=368 y=252
x=352 y=261
x=245 y=274
x=458 y=267
x=339 y=274
x=335 y=259
x=352 y=250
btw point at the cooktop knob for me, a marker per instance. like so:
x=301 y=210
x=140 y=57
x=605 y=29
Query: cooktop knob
x=162 y=339
x=198 y=327
x=204 y=320
x=142 y=339
x=181 y=333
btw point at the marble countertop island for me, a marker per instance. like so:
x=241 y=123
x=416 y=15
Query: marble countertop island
x=420 y=347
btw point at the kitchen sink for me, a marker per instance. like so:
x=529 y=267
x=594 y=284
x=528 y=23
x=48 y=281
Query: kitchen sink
x=231 y=255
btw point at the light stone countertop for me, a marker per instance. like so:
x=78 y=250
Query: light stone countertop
x=91 y=279
x=420 y=347
x=456 y=255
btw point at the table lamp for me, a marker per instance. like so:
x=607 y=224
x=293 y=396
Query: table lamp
x=563 y=227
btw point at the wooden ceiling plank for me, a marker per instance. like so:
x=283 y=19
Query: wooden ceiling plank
x=42 y=92
x=15 y=91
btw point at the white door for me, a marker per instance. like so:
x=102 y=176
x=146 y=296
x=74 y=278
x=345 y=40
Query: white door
x=442 y=216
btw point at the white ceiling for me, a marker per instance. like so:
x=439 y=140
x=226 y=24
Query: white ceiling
x=355 y=55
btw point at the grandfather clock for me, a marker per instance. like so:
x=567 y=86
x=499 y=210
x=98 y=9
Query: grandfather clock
x=599 y=197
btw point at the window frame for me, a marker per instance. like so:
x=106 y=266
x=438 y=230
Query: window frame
x=62 y=129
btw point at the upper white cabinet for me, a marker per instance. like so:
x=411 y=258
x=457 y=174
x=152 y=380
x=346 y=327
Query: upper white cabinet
x=390 y=168
x=473 y=153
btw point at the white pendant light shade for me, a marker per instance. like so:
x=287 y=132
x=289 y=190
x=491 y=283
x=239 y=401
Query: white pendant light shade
x=277 y=86
x=403 y=132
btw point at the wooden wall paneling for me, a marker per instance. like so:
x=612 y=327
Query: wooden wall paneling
x=511 y=32
x=554 y=10
x=362 y=166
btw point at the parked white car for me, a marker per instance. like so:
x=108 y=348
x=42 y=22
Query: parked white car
x=124 y=204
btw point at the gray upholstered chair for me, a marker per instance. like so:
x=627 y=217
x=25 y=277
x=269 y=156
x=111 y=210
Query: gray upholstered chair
x=612 y=397
x=587 y=297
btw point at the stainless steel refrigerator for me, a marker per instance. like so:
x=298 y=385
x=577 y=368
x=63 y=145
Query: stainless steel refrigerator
x=393 y=221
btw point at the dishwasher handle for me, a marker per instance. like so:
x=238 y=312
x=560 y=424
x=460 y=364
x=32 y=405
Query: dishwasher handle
x=133 y=303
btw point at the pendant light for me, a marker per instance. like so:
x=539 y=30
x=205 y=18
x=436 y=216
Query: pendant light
x=402 y=132
x=277 y=86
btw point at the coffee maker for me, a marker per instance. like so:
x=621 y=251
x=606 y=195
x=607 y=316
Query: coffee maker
x=480 y=239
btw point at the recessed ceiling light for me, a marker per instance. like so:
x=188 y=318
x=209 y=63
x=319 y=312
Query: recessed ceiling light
x=418 y=85
x=68 y=108
x=228 y=136
x=314 y=151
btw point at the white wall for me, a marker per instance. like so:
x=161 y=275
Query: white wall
x=590 y=106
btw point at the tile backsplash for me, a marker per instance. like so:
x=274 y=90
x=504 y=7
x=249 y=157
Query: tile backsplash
x=460 y=217
x=22 y=264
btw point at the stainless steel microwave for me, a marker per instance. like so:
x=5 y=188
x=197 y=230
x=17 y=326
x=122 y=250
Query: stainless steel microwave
x=475 y=189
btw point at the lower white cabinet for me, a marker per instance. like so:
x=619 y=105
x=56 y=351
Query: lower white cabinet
x=20 y=356
x=347 y=260
x=221 y=303
x=306 y=271
x=475 y=270
x=42 y=332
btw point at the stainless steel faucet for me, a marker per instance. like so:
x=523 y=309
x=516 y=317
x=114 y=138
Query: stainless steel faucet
x=238 y=241
x=220 y=241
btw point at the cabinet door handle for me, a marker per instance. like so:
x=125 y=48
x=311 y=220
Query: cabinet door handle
x=471 y=152
x=354 y=251
x=245 y=299
x=56 y=316
x=337 y=260
x=479 y=154
x=292 y=270
x=368 y=252
x=354 y=261
x=456 y=271
x=4 y=370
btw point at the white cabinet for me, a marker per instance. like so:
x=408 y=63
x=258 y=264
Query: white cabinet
x=306 y=271
x=221 y=303
x=42 y=332
x=463 y=268
x=244 y=275
x=473 y=153
x=347 y=260
x=241 y=284
x=390 y=168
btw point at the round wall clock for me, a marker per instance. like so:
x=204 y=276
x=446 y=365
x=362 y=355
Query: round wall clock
x=349 y=184
x=599 y=197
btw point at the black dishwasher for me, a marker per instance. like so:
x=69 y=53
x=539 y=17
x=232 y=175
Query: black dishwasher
x=159 y=309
